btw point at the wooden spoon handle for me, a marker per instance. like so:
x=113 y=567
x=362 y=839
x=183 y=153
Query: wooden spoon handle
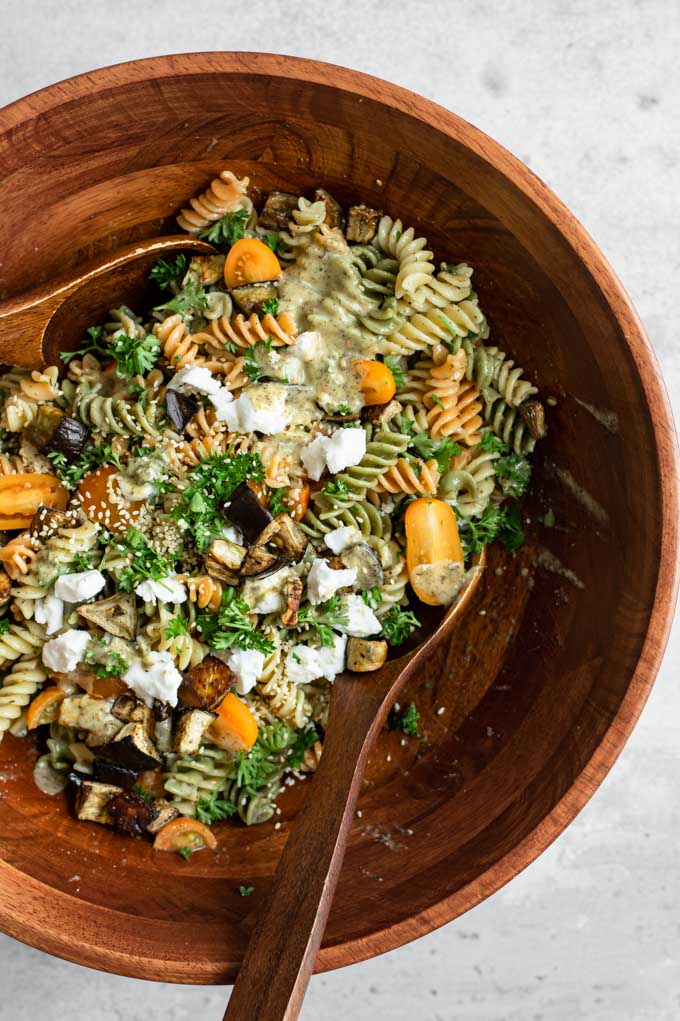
x=280 y=958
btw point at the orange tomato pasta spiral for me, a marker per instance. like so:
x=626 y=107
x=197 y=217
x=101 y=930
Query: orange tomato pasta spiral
x=410 y=477
x=205 y=591
x=178 y=346
x=241 y=332
x=11 y=464
x=453 y=403
x=189 y=453
x=18 y=554
x=226 y=194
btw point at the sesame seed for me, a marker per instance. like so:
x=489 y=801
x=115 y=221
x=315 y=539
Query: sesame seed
x=441 y=710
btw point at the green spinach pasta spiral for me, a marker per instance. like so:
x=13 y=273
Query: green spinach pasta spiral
x=127 y=418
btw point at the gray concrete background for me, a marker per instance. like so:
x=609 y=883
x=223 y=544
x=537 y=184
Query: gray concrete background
x=588 y=94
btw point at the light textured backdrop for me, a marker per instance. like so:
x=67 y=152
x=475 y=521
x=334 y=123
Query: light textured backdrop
x=588 y=95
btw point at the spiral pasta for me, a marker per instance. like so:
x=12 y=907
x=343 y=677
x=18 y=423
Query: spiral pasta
x=127 y=418
x=507 y=423
x=20 y=685
x=437 y=326
x=304 y=223
x=178 y=344
x=393 y=589
x=21 y=640
x=223 y=335
x=382 y=451
x=363 y=515
x=469 y=485
x=189 y=779
x=11 y=464
x=285 y=700
x=18 y=554
x=184 y=648
x=205 y=591
x=226 y=194
x=451 y=284
x=453 y=402
x=409 y=476
x=415 y=260
x=123 y=322
x=378 y=272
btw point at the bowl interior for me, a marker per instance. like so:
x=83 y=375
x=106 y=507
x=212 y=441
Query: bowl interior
x=547 y=655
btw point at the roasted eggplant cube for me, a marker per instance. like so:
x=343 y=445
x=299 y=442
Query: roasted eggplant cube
x=131 y=709
x=43 y=427
x=92 y=801
x=364 y=656
x=112 y=773
x=205 y=685
x=165 y=813
x=48 y=520
x=289 y=537
x=131 y=813
x=181 y=408
x=251 y=297
x=362 y=224
x=205 y=270
x=292 y=595
x=69 y=438
x=5 y=587
x=116 y=615
x=247 y=513
x=335 y=216
x=224 y=560
x=277 y=210
x=260 y=562
x=132 y=748
x=191 y=726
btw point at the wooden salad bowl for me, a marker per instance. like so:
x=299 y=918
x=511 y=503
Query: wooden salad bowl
x=527 y=708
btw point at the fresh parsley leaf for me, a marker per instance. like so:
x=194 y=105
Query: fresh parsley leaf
x=406 y=721
x=246 y=891
x=145 y=561
x=549 y=519
x=228 y=230
x=209 y=486
x=396 y=370
x=188 y=302
x=185 y=852
x=436 y=399
x=95 y=345
x=407 y=426
x=270 y=307
x=321 y=619
x=496 y=522
x=445 y=452
x=372 y=597
x=143 y=793
x=231 y=626
x=514 y=473
x=512 y=533
x=133 y=355
x=342 y=409
x=251 y=362
x=166 y=273
x=337 y=489
x=4 y=626
x=492 y=444
x=81 y=562
x=398 y=624
x=214 y=809
x=176 y=627
x=90 y=458
x=276 y=503
x=276 y=243
x=304 y=739
x=423 y=446
x=115 y=666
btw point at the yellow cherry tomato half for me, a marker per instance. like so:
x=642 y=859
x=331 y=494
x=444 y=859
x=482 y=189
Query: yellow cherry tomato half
x=250 y=261
x=434 y=555
x=376 y=382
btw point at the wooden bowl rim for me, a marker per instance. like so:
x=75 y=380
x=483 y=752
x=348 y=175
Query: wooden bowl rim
x=16 y=896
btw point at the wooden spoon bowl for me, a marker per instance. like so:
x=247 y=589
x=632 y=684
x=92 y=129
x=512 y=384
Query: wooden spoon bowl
x=525 y=710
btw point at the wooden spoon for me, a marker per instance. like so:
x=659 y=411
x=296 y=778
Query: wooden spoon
x=37 y=326
x=280 y=957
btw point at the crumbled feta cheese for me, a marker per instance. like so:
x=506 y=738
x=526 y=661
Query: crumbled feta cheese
x=362 y=621
x=231 y=533
x=313 y=457
x=344 y=448
x=50 y=610
x=65 y=652
x=305 y=664
x=342 y=538
x=195 y=377
x=308 y=346
x=247 y=664
x=74 y=588
x=266 y=594
x=323 y=581
x=257 y=412
x=220 y=400
x=155 y=676
x=165 y=590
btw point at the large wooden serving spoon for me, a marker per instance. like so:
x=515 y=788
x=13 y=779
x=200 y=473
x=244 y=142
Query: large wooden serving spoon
x=38 y=325
x=280 y=957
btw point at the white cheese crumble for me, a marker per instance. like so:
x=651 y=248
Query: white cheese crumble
x=254 y=411
x=49 y=610
x=65 y=652
x=344 y=448
x=156 y=676
x=165 y=590
x=74 y=588
x=305 y=664
x=247 y=664
x=324 y=581
x=362 y=620
x=342 y=538
x=231 y=533
x=220 y=400
x=195 y=377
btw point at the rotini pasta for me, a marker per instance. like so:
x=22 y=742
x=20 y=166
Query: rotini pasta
x=226 y=194
x=25 y=678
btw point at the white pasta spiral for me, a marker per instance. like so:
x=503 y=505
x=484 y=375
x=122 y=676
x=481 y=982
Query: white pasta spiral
x=415 y=260
x=18 y=688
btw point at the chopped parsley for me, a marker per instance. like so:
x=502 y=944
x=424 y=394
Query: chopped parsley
x=4 y=626
x=210 y=484
x=143 y=793
x=443 y=452
x=512 y=470
x=251 y=362
x=270 y=307
x=145 y=561
x=214 y=809
x=115 y=666
x=276 y=503
x=246 y=891
x=185 y=852
x=175 y=628
x=134 y=356
x=337 y=489
x=372 y=597
x=343 y=410
x=188 y=302
x=406 y=721
x=396 y=370
x=398 y=624
x=276 y=243
x=321 y=619
x=89 y=459
x=231 y=626
x=503 y=523
x=436 y=399
x=166 y=273
x=228 y=230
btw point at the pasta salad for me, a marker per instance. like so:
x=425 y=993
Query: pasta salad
x=222 y=501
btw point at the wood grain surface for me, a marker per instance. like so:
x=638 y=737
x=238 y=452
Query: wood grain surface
x=548 y=672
